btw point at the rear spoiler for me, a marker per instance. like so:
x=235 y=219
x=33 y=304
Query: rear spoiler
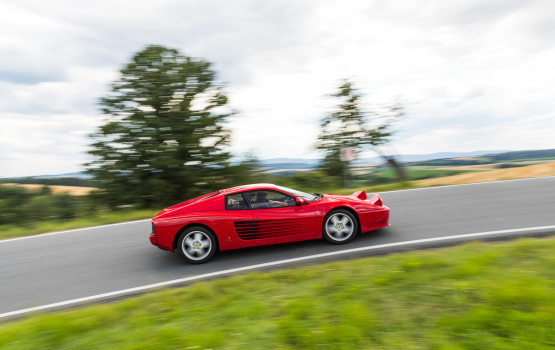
x=374 y=197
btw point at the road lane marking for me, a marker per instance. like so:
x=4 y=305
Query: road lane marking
x=74 y=230
x=135 y=221
x=467 y=184
x=268 y=264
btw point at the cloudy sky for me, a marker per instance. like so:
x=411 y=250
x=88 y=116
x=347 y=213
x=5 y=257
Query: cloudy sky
x=472 y=74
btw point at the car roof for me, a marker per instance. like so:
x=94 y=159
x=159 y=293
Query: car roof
x=248 y=188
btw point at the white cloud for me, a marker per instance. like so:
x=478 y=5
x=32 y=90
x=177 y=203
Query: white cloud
x=473 y=75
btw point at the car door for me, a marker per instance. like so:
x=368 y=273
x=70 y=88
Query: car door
x=279 y=219
x=240 y=224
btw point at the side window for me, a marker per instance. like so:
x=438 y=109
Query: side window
x=266 y=199
x=235 y=202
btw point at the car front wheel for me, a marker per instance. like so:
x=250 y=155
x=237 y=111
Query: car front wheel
x=340 y=226
x=197 y=245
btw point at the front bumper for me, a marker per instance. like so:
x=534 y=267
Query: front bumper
x=152 y=238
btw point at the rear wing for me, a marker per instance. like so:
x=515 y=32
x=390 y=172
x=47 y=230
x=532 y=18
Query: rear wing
x=374 y=197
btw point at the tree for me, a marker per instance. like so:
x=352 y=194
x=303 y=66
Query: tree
x=350 y=126
x=341 y=129
x=164 y=137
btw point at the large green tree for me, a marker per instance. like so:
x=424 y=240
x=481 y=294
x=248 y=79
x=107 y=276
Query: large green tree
x=164 y=137
x=350 y=126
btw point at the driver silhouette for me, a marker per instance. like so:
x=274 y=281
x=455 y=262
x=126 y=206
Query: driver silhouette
x=261 y=197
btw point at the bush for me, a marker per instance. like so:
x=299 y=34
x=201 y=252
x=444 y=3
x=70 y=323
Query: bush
x=310 y=181
x=510 y=165
x=19 y=205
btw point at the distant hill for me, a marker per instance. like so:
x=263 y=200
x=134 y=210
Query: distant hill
x=293 y=165
x=78 y=175
x=439 y=155
x=304 y=161
x=289 y=164
x=69 y=179
x=543 y=153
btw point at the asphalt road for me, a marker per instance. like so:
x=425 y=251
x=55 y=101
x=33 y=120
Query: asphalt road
x=55 y=268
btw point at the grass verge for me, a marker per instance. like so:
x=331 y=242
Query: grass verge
x=11 y=231
x=474 y=296
x=377 y=188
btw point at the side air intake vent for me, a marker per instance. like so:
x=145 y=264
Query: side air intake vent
x=245 y=229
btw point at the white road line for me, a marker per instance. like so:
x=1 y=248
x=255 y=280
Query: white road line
x=130 y=222
x=268 y=264
x=74 y=230
x=468 y=184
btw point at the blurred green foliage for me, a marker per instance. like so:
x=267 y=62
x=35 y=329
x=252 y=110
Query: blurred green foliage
x=453 y=162
x=310 y=181
x=25 y=207
x=474 y=296
x=165 y=135
x=25 y=212
x=511 y=165
x=384 y=174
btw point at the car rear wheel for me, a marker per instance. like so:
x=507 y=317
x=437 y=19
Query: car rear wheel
x=340 y=226
x=197 y=245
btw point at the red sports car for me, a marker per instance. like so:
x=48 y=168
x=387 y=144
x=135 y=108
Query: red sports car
x=261 y=214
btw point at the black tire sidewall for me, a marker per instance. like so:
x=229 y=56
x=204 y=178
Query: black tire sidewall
x=213 y=241
x=344 y=212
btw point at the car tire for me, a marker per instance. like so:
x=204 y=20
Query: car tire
x=340 y=226
x=197 y=245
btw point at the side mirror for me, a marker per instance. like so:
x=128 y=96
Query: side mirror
x=299 y=200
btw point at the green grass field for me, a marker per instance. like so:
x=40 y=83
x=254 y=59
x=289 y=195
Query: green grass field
x=474 y=296
x=373 y=189
x=419 y=172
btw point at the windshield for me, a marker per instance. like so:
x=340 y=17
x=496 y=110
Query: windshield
x=309 y=197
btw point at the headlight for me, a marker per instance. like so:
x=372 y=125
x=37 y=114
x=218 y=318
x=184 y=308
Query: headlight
x=153 y=229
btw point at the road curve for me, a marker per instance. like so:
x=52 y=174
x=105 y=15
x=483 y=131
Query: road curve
x=75 y=265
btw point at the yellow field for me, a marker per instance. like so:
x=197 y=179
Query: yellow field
x=538 y=170
x=73 y=190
